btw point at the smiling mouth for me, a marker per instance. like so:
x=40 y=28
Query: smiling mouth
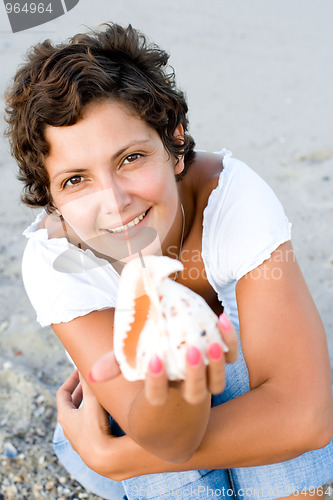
x=132 y=223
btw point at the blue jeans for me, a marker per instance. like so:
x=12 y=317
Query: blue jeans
x=197 y=484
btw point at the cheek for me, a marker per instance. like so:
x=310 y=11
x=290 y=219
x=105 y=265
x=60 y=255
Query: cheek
x=80 y=214
x=158 y=184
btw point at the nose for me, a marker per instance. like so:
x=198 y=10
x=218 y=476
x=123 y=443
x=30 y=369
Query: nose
x=108 y=201
x=114 y=198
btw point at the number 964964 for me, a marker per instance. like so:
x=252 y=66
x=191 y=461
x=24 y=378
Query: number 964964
x=28 y=8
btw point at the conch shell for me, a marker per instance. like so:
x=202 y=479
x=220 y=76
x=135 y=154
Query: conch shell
x=156 y=316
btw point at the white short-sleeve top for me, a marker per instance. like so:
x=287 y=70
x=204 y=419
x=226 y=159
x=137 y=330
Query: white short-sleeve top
x=243 y=223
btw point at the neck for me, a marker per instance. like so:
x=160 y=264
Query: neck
x=174 y=251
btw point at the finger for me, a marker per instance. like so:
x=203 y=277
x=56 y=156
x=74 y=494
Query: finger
x=216 y=368
x=104 y=369
x=71 y=382
x=229 y=336
x=77 y=396
x=194 y=389
x=65 y=392
x=95 y=410
x=156 y=385
x=87 y=391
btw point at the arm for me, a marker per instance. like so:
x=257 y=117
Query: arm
x=176 y=420
x=171 y=430
x=289 y=408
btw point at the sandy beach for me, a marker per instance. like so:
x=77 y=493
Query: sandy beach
x=258 y=76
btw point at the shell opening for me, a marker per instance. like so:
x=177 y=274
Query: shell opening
x=141 y=308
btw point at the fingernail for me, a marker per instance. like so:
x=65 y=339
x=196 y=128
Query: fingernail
x=155 y=365
x=215 y=351
x=91 y=378
x=193 y=356
x=225 y=322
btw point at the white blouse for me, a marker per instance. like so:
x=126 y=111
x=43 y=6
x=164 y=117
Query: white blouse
x=243 y=223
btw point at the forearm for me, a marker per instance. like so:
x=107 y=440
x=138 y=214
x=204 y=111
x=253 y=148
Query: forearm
x=266 y=425
x=254 y=429
x=172 y=431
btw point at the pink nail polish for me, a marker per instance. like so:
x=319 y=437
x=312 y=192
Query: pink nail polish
x=91 y=378
x=193 y=356
x=155 y=365
x=225 y=322
x=215 y=351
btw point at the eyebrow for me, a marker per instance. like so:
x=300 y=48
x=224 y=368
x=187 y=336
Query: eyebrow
x=129 y=145
x=69 y=171
x=114 y=157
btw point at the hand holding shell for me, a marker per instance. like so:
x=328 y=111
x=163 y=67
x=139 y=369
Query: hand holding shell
x=156 y=316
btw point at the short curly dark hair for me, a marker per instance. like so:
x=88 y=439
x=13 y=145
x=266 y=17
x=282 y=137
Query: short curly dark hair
x=58 y=81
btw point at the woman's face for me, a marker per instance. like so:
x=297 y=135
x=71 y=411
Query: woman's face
x=113 y=182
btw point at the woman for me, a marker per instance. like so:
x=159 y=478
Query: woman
x=100 y=133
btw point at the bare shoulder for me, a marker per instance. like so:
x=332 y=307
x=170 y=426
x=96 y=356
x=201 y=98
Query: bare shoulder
x=53 y=224
x=57 y=228
x=203 y=175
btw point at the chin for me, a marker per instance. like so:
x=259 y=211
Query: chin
x=154 y=248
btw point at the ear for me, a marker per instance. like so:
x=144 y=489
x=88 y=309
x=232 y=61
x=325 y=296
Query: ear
x=179 y=132
x=179 y=135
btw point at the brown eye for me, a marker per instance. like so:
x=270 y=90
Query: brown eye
x=73 y=181
x=131 y=158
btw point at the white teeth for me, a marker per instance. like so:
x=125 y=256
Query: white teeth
x=133 y=222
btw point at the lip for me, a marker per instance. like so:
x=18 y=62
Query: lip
x=131 y=231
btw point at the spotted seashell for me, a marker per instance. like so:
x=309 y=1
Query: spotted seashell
x=157 y=316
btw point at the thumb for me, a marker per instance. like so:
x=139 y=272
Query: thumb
x=106 y=368
x=86 y=391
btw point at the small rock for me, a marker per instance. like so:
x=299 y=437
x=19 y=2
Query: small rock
x=4 y=325
x=39 y=412
x=11 y=492
x=49 y=485
x=317 y=156
x=10 y=451
x=38 y=491
x=49 y=413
